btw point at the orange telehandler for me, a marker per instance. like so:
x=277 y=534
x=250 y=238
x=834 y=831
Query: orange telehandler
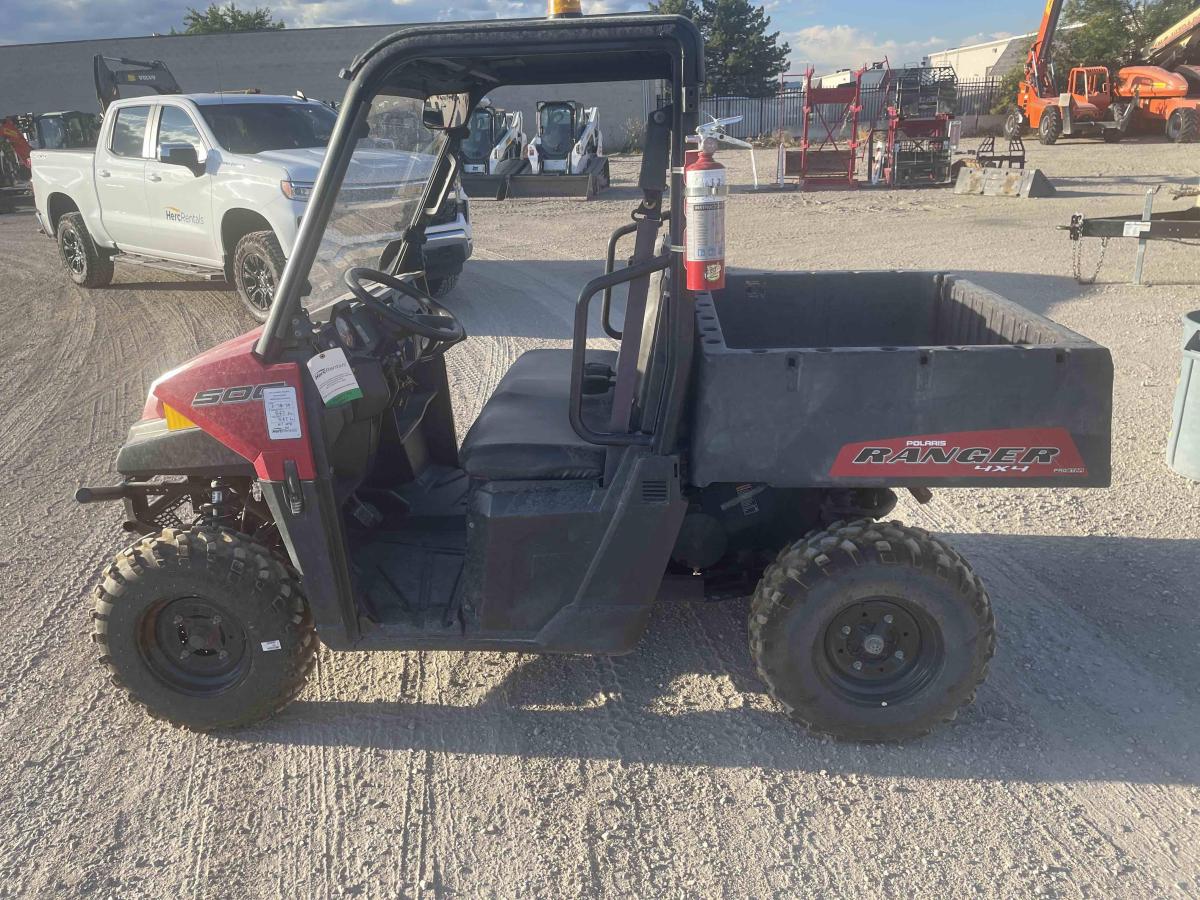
x=1142 y=97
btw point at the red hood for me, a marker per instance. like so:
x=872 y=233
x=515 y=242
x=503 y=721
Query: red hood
x=221 y=392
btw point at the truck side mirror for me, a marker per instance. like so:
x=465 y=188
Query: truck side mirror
x=180 y=155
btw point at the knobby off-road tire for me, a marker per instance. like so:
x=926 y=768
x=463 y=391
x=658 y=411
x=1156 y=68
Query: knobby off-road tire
x=1014 y=127
x=820 y=610
x=1183 y=126
x=258 y=263
x=1050 y=128
x=204 y=628
x=86 y=263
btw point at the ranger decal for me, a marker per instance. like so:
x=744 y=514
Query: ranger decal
x=1006 y=453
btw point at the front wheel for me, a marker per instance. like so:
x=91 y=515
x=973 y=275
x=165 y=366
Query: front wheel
x=871 y=631
x=204 y=628
x=1183 y=126
x=1050 y=128
x=258 y=263
x=440 y=287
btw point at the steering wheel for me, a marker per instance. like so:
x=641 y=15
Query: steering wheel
x=434 y=321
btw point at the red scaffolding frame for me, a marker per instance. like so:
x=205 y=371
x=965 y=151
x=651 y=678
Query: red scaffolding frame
x=829 y=134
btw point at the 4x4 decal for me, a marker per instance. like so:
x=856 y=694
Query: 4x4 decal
x=243 y=393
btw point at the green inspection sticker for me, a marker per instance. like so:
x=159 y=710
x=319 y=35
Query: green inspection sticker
x=334 y=378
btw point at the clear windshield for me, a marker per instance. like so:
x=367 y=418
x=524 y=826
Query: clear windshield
x=379 y=196
x=478 y=144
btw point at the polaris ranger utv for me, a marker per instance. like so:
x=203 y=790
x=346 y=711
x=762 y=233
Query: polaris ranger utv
x=303 y=481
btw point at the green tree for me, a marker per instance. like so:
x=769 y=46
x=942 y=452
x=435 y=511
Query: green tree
x=218 y=19
x=741 y=55
x=1115 y=33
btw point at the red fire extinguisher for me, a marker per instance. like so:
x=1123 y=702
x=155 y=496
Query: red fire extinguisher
x=705 y=188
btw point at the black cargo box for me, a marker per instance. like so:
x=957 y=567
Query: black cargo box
x=892 y=378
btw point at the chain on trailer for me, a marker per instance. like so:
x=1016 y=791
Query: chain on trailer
x=1077 y=253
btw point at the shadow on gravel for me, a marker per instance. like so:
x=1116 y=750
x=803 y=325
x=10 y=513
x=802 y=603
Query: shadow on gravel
x=1096 y=677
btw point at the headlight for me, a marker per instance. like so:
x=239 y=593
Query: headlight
x=296 y=190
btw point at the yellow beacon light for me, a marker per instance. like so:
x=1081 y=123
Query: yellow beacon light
x=563 y=9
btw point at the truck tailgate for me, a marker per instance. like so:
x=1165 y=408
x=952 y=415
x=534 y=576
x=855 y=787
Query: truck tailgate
x=893 y=379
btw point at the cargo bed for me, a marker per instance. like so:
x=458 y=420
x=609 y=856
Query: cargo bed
x=893 y=378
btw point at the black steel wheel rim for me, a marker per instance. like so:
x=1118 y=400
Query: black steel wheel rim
x=73 y=252
x=258 y=281
x=194 y=645
x=880 y=651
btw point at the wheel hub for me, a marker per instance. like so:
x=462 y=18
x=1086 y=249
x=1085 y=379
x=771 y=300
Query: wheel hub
x=260 y=283
x=73 y=250
x=194 y=645
x=875 y=650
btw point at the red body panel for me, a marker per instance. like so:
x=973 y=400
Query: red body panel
x=1002 y=453
x=231 y=372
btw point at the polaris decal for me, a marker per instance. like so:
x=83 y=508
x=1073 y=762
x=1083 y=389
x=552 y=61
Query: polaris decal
x=1002 y=453
x=175 y=214
x=243 y=393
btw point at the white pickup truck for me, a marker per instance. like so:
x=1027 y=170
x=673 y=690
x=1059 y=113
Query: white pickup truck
x=217 y=184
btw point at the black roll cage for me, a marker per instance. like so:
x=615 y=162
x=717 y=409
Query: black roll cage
x=476 y=58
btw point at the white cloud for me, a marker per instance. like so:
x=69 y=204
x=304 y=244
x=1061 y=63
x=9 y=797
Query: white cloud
x=831 y=47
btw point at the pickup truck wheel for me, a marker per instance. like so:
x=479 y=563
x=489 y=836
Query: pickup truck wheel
x=203 y=628
x=871 y=631
x=440 y=287
x=258 y=263
x=1183 y=126
x=87 y=265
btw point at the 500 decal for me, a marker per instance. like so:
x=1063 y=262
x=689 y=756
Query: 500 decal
x=1014 y=452
x=243 y=393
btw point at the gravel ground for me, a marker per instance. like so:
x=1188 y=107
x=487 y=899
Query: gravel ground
x=667 y=772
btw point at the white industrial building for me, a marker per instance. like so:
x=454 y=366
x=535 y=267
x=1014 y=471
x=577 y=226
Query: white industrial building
x=991 y=59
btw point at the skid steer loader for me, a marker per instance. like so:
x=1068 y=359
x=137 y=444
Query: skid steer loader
x=566 y=156
x=493 y=151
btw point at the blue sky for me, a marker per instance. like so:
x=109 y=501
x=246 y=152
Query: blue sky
x=826 y=33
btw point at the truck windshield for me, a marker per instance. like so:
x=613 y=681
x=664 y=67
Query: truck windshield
x=256 y=127
x=379 y=196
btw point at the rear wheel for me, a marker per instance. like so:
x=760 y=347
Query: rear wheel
x=1050 y=128
x=1183 y=126
x=871 y=631
x=258 y=264
x=204 y=628
x=86 y=263
x=1014 y=126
